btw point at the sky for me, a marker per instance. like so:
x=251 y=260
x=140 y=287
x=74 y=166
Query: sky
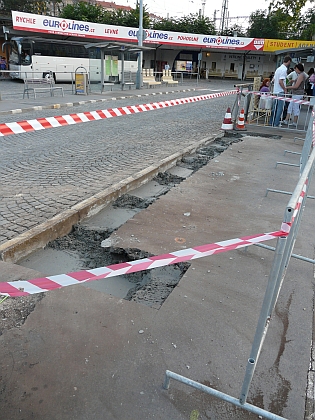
x=178 y=8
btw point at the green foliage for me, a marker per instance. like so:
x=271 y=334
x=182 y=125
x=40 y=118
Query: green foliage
x=307 y=25
x=234 y=29
x=192 y=23
x=263 y=25
x=288 y=15
x=130 y=18
x=86 y=12
x=18 y=5
x=290 y=10
x=29 y=6
x=95 y=13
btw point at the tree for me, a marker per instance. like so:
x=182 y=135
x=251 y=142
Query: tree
x=86 y=12
x=235 y=29
x=56 y=7
x=290 y=9
x=30 y=6
x=19 y=5
x=307 y=25
x=288 y=14
x=95 y=13
x=263 y=25
x=128 y=17
x=192 y=23
x=169 y=24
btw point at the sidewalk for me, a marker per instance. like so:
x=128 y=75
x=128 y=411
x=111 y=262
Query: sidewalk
x=13 y=102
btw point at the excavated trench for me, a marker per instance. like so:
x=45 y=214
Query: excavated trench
x=88 y=247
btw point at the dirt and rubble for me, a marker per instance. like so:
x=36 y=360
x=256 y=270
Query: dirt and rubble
x=14 y=311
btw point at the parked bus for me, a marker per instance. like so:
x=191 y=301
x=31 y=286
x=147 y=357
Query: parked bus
x=36 y=57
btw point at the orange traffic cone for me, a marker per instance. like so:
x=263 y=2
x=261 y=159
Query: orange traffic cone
x=227 y=122
x=240 y=125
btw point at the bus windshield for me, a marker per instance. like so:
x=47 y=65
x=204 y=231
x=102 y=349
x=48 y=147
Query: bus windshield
x=20 y=53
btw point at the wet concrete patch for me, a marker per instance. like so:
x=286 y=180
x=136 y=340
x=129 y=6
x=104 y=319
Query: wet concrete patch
x=181 y=172
x=82 y=249
x=245 y=133
x=111 y=217
x=151 y=189
x=204 y=154
x=50 y=261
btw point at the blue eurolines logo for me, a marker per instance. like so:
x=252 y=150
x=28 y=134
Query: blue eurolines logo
x=67 y=26
x=222 y=41
x=150 y=34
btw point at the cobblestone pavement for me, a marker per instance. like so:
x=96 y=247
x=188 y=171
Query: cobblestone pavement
x=46 y=172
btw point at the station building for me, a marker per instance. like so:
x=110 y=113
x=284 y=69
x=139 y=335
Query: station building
x=209 y=56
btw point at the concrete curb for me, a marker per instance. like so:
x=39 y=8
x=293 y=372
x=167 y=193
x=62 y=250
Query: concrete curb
x=90 y=101
x=60 y=225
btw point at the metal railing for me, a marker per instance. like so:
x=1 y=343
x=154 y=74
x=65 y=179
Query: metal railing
x=283 y=252
x=180 y=76
x=285 y=112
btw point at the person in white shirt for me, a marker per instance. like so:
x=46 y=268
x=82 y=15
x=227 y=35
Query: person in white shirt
x=279 y=89
x=297 y=89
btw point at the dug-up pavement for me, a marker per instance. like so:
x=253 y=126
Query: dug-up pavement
x=82 y=354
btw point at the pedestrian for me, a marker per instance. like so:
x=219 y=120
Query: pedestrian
x=291 y=77
x=312 y=82
x=265 y=102
x=265 y=86
x=308 y=85
x=3 y=65
x=279 y=89
x=297 y=89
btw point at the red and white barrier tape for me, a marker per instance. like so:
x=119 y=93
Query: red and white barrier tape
x=281 y=98
x=44 y=284
x=286 y=226
x=25 y=126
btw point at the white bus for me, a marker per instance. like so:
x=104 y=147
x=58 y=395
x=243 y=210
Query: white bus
x=35 y=57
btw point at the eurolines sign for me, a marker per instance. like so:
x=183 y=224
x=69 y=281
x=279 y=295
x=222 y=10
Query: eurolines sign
x=58 y=26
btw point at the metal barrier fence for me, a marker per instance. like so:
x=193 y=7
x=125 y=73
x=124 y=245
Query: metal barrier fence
x=287 y=112
x=241 y=100
x=36 y=74
x=283 y=252
x=179 y=76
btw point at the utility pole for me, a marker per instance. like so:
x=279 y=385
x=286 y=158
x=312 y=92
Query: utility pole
x=215 y=17
x=203 y=7
x=140 y=43
x=224 y=15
